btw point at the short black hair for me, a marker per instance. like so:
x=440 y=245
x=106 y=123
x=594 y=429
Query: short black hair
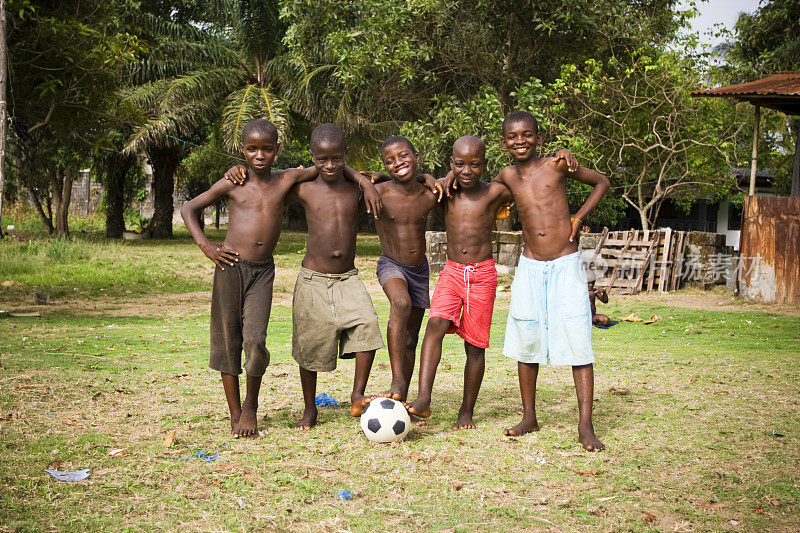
x=472 y=141
x=394 y=139
x=520 y=116
x=327 y=133
x=260 y=125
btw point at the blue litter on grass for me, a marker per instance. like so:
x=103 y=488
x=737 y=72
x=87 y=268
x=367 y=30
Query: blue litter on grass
x=77 y=475
x=324 y=400
x=612 y=323
x=204 y=455
x=344 y=495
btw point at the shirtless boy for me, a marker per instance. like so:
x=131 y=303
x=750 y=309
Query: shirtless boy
x=332 y=313
x=549 y=319
x=403 y=268
x=242 y=293
x=463 y=300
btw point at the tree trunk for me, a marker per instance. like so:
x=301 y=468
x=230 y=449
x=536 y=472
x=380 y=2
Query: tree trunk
x=62 y=204
x=643 y=218
x=165 y=161
x=118 y=165
x=47 y=221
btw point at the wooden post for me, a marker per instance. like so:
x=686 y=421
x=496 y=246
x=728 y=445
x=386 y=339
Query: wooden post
x=796 y=168
x=754 y=163
x=3 y=112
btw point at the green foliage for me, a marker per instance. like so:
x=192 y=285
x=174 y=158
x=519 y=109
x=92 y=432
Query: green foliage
x=767 y=40
x=637 y=123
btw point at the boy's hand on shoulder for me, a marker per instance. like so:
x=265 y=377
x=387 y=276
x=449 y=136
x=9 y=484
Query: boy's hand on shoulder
x=237 y=174
x=450 y=184
x=220 y=254
x=569 y=158
x=435 y=187
x=373 y=200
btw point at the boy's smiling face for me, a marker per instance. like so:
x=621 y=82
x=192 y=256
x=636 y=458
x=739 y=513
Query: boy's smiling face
x=468 y=161
x=400 y=161
x=329 y=158
x=260 y=149
x=521 y=139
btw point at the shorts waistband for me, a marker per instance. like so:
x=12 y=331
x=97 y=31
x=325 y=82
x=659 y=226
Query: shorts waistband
x=256 y=264
x=481 y=265
x=313 y=275
x=564 y=259
x=418 y=268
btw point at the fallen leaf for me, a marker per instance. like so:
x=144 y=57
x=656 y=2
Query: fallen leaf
x=283 y=375
x=228 y=466
x=169 y=439
x=650 y=517
x=116 y=452
x=759 y=510
x=69 y=422
x=447 y=367
x=57 y=465
x=619 y=390
x=712 y=505
x=584 y=473
x=774 y=502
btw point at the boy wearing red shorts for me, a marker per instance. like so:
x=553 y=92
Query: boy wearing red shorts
x=463 y=300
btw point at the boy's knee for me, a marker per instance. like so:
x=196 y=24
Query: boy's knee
x=438 y=325
x=400 y=307
x=254 y=345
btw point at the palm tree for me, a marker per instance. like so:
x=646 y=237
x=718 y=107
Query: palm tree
x=216 y=70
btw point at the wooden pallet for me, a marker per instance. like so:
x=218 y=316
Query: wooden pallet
x=637 y=260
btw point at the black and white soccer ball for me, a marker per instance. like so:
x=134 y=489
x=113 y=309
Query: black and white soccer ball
x=385 y=420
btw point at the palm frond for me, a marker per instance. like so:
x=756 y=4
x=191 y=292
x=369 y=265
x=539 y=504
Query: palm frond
x=247 y=103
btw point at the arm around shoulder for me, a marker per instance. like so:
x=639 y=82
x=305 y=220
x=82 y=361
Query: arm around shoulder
x=300 y=175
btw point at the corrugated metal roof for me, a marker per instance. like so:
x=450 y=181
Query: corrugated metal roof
x=782 y=83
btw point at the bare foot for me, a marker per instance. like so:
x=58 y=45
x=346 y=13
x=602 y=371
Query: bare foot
x=420 y=407
x=588 y=439
x=464 y=422
x=525 y=426
x=234 y=421
x=359 y=402
x=247 y=426
x=417 y=421
x=308 y=420
x=396 y=391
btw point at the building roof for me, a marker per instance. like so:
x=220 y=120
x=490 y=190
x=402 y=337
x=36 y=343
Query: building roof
x=779 y=91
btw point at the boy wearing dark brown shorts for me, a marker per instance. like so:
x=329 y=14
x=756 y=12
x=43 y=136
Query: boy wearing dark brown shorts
x=244 y=273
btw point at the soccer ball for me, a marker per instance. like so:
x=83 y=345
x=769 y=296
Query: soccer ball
x=385 y=420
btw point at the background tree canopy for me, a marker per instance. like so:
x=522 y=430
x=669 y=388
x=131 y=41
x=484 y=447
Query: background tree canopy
x=172 y=82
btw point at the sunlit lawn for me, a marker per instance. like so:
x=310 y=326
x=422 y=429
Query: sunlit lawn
x=700 y=413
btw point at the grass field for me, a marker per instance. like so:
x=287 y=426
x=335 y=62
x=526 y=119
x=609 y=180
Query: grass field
x=700 y=413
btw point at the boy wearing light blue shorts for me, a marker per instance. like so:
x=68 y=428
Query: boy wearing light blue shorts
x=549 y=320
